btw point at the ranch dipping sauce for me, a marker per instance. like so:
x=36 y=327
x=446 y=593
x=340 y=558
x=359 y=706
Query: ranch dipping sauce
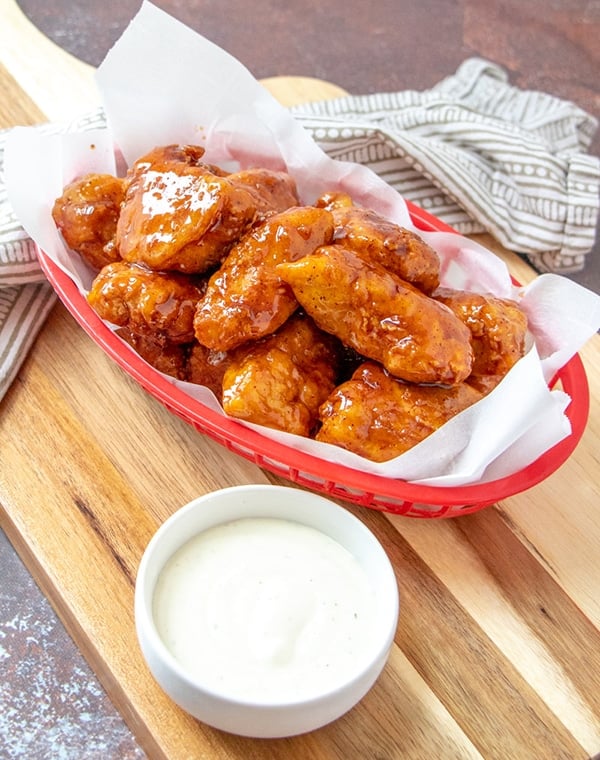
x=265 y=609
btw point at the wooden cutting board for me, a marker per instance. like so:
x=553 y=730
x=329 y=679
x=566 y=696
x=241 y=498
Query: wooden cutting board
x=498 y=648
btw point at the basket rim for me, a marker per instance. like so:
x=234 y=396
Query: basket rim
x=361 y=485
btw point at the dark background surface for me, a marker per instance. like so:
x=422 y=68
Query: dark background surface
x=550 y=45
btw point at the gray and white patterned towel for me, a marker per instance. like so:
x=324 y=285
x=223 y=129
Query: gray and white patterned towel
x=26 y=298
x=479 y=153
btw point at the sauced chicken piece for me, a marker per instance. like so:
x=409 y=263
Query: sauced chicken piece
x=396 y=248
x=246 y=298
x=484 y=383
x=180 y=214
x=281 y=380
x=382 y=317
x=272 y=191
x=207 y=367
x=379 y=417
x=87 y=213
x=185 y=361
x=191 y=155
x=498 y=328
x=334 y=200
x=160 y=305
x=162 y=354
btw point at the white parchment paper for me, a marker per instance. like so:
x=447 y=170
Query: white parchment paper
x=162 y=83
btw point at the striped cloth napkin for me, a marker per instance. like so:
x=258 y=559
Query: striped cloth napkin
x=26 y=297
x=479 y=153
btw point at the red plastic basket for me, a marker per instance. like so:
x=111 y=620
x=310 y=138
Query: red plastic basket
x=365 y=489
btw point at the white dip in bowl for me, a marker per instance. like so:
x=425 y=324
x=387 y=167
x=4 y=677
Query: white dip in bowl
x=265 y=610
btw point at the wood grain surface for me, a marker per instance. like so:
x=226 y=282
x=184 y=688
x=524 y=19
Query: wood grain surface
x=497 y=653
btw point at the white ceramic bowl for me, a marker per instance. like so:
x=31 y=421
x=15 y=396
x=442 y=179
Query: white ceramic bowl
x=270 y=717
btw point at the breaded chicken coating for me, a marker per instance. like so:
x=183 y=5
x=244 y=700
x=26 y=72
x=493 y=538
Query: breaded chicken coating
x=498 y=328
x=153 y=304
x=206 y=366
x=396 y=248
x=379 y=417
x=161 y=353
x=382 y=317
x=281 y=380
x=180 y=214
x=87 y=213
x=246 y=298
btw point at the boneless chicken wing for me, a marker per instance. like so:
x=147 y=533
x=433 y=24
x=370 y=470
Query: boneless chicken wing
x=87 y=213
x=272 y=191
x=161 y=353
x=325 y=321
x=379 y=417
x=181 y=214
x=184 y=361
x=206 y=366
x=498 y=330
x=281 y=380
x=381 y=316
x=396 y=248
x=246 y=298
x=158 y=305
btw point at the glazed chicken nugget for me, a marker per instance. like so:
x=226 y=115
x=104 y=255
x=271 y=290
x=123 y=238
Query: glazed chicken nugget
x=207 y=367
x=175 y=153
x=160 y=353
x=396 y=248
x=281 y=380
x=159 y=305
x=484 y=383
x=334 y=200
x=382 y=317
x=181 y=214
x=86 y=214
x=498 y=328
x=273 y=191
x=379 y=417
x=246 y=298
